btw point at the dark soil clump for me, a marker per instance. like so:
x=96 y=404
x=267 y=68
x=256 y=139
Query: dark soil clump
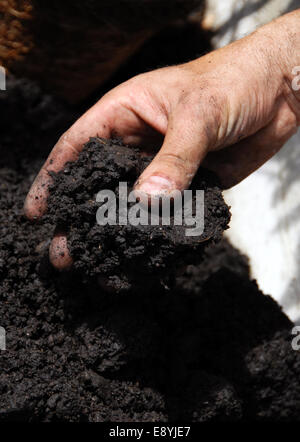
x=212 y=348
x=124 y=254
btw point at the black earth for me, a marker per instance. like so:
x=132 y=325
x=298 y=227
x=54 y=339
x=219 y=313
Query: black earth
x=211 y=348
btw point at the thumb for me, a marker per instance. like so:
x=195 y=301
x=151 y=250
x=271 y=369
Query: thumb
x=178 y=160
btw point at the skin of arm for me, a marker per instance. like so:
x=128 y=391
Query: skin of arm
x=230 y=110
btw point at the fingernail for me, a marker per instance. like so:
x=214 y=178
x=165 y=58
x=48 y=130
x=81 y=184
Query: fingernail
x=155 y=185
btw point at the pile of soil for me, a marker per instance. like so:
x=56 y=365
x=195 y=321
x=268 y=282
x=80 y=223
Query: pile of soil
x=212 y=348
x=124 y=255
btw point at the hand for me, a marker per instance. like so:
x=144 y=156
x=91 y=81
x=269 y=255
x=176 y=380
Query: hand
x=230 y=110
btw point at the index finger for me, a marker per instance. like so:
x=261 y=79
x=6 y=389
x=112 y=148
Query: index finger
x=94 y=122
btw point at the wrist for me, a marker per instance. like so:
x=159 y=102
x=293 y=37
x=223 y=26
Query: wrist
x=284 y=33
x=281 y=40
x=287 y=28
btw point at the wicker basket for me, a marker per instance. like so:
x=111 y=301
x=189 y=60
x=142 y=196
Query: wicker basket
x=73 y=46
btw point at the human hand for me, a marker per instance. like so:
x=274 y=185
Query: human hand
x=230 y=110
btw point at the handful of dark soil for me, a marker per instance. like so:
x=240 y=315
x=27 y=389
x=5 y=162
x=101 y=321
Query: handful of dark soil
x=122 y=255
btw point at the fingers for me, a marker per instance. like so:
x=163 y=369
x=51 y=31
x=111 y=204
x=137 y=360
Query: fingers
x=235 y=163
x=36 y=200
x=58 y=252
x=66 y=149
x=175 y=165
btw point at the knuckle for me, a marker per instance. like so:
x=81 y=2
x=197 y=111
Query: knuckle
x=177 y=159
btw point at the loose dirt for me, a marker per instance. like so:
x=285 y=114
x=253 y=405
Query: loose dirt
x=211 y=348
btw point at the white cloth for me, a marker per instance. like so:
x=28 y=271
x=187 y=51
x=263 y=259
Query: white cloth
x=266 y=206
